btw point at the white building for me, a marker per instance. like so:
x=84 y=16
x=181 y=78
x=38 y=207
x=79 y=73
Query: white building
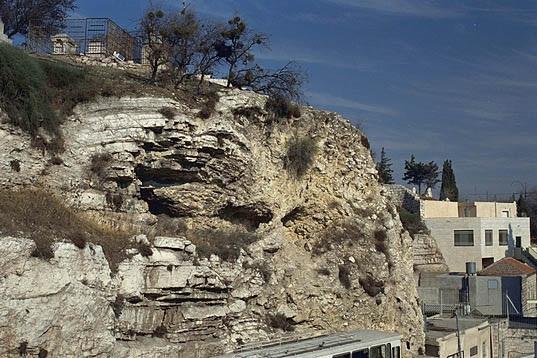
x=63 y=44
x=3 y=37
x=480 y=232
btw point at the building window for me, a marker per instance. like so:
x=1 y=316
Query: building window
x=492 y=284
x=505 y=214
x=473 y=351
x=503 y=237
x=464 y=237
x=364 y=353
x=488 y=237
x=343 y=355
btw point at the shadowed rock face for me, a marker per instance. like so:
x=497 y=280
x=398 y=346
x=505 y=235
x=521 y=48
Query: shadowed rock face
x=331 y=254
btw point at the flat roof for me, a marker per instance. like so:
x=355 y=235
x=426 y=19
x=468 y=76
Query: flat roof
x=321 y=345
x=442 y=327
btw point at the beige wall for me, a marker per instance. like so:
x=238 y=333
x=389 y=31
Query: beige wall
x=439 y=209
x=442 y=230
x=448 y=209
x=478 y=336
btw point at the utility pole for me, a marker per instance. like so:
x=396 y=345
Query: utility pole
x=458 y=335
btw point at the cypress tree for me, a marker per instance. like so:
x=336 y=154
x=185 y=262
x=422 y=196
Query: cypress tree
x=384 y=168
x=448 y=190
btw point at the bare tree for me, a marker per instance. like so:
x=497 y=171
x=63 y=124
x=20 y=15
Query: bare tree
x=286 y=81
x=237 y=45
x=19 y=15
x=156 y=46
x=207 y=56
x=182 y=32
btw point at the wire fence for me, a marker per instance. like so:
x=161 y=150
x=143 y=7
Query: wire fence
x=89 y=36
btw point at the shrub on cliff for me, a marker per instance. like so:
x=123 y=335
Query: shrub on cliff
x=412 y=222
x=281 y=107
x=38 y=94
x=300 y=155
x=279 y=321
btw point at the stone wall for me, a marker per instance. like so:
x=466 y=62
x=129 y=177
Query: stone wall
x=403 y=197
x=427 y=255
x=512 y=342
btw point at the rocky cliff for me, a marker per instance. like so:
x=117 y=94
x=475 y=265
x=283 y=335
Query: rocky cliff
x=255 y=247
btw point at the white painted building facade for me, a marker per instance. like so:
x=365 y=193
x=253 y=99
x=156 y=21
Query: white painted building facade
x=475 y=232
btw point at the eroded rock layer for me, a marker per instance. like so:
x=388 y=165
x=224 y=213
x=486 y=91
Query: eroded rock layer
x=330 y=253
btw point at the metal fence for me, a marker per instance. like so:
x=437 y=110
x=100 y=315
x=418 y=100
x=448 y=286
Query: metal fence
x=90 y=36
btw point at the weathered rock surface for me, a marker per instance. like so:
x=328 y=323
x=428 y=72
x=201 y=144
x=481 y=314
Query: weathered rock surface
x=221 y=172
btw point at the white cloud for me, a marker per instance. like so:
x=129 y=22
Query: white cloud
x=334 y=101
x=418 y=8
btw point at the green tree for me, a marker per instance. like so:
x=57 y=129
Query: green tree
x=449 y=189
x=384 y=168
x=419 y=173
x=430 y=172
x=414 y=172
x=522 y=207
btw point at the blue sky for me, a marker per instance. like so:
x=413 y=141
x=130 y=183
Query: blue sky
x=441 y=79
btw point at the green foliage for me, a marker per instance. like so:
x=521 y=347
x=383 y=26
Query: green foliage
x=412 y=222
x=39 y=94
x=419 y=173
x=300 y=155
x=449 y=189
x=384 y=168
x=19 y=15
x=23 y=91
x=522 y=207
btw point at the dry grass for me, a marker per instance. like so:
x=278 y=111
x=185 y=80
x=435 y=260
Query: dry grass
x=342 y=234
x=44 y=218
x=99 y=163
x=371 y=285
x=381 y=244
x=226 y=243
x=168 y=112
x=210 y=99
x=300 y=155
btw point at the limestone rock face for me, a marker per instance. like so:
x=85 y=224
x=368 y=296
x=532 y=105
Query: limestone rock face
x=330 y=254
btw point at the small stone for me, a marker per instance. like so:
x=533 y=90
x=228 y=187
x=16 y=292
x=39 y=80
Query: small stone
x=191 y=249
x=237 y=306
x=173 y=243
